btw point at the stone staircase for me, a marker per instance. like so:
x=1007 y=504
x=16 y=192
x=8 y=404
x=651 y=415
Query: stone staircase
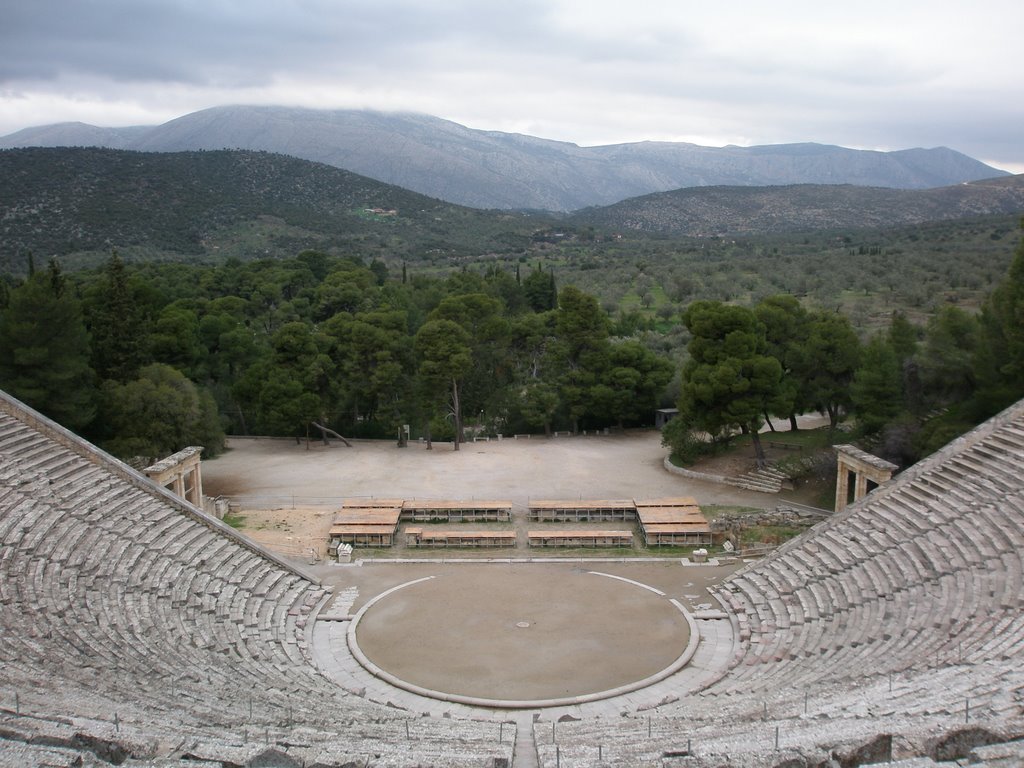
x=767 y=480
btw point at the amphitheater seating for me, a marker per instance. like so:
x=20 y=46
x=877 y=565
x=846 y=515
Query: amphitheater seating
x=133 y=626
x=132 y=621
x=900 y=615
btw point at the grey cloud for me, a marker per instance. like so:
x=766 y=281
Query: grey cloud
x=240 y=43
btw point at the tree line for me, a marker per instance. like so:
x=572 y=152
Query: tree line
x=145 y=359
x=910 y=389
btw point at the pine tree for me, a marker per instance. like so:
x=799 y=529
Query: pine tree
x=876 y=386
x=44 y=350
x=730 y=380
x=118 y=326
x=1000 y=357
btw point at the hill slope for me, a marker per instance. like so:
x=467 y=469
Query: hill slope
x=764 y=210
x=224 y=203
x=490 y=169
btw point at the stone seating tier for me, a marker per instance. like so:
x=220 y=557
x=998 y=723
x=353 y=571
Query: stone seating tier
x=119 y=600
x=937 y=589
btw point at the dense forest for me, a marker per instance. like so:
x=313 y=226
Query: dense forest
x=144 y=359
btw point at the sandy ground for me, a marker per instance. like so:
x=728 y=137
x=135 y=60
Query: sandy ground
x=288 y=493
x=616 y=467
x=574 y=620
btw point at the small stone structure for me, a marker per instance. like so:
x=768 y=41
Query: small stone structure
x=865 y=468
x=180 y=474
x=344 y=553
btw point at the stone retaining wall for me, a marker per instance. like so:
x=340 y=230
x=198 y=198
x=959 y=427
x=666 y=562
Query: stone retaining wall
x=698 y=475
x=777 y=516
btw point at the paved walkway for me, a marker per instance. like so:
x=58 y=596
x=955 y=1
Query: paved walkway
x=525 y=753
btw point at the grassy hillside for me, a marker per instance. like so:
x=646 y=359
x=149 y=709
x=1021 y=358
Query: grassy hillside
x=725 y=211
x=79 y=204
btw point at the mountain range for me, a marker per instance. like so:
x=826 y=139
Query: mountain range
x=491 y=169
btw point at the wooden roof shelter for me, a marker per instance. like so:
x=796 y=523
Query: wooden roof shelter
x=418 y=537
x=582 y=509
x=453 y=511
x=673 y=501
x=366 y=526
x=586 y=538
x=673 y=522
x=368 y=503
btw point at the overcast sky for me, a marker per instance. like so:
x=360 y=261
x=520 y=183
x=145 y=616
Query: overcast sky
x=876 y=75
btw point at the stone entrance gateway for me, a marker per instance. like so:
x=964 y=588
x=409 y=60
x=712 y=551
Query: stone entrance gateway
x=865 y=469
x=180 y=474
